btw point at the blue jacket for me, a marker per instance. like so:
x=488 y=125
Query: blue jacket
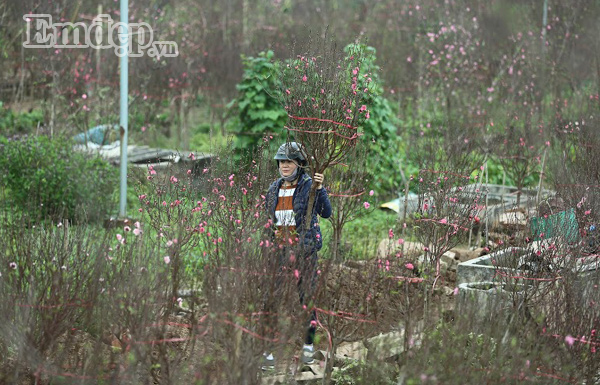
x=322 y=207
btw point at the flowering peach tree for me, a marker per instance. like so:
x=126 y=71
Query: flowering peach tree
x=450 y=199
x=349 y=194
x=323 y=93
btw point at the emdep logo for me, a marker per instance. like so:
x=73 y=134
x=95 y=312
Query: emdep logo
x=102 y=33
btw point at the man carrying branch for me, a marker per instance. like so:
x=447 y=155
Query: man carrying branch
x=323 y=94
x=298 y=239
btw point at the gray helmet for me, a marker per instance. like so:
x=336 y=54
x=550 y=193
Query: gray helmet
x=291 y=151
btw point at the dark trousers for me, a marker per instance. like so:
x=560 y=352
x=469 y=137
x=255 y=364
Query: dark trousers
x=291 y=263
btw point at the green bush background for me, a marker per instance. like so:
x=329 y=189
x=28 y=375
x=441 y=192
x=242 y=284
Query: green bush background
x=46 y=178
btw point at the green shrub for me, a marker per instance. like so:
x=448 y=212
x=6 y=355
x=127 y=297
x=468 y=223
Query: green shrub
x=46 y=178
x=12 y=123
x=381 y=128
x=202 y=141
x=259 y=111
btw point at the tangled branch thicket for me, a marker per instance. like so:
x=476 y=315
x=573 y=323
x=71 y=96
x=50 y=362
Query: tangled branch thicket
x=189 y=293
x=322 y=95
x=179 y=297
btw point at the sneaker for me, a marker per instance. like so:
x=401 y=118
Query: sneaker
x=268 y=361
x=308 y=354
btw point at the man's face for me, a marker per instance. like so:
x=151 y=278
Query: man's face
x=287 y=167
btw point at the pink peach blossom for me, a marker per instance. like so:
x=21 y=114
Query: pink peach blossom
x=569 y=339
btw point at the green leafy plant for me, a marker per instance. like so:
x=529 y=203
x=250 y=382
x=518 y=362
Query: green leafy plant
x=202 y=140
x=259 y=111
x=381 y=126
x=382 y=122
x=12 y=123
x=47 y=178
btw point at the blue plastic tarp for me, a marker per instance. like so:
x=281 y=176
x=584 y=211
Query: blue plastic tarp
x=100 y=135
